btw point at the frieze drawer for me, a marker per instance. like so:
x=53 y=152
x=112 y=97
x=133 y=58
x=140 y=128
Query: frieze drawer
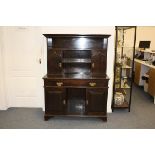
x=77 y=83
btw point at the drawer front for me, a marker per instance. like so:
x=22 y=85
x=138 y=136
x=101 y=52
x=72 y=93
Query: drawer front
x=77 y=83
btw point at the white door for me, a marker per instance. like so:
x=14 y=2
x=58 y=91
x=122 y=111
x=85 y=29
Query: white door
x=2 y=86
x=23 y=72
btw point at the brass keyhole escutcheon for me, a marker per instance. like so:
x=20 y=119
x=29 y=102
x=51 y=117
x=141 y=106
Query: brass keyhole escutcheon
x=59 y=84
x=93 y=65
x=92 y=84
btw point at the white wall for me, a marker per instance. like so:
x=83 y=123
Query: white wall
x=146 y=33
x=64 y=30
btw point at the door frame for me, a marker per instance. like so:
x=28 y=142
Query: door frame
x=3 y=103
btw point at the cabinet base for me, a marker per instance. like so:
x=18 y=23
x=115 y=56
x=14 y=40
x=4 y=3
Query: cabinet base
x=103 y=118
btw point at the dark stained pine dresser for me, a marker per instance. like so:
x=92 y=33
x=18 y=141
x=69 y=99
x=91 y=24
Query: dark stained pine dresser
x=76 y=83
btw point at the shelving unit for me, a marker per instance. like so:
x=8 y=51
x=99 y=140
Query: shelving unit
x=125 y=39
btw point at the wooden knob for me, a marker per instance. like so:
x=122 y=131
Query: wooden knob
x=93 y=65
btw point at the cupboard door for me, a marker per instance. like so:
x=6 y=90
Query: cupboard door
x=55 y=100
x=96 y=103
x=137 y=73
x=54 y=62
x=99 y=62
x=151 y=84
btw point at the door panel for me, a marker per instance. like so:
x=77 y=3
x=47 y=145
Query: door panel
x=99 y=62
x=96 y=101
x=54 y=66
x=55 y=100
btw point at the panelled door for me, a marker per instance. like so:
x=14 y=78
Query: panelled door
x=23 y=72
x=55 y=100
x=99 y=61
x=96 y=101
x=54 y=66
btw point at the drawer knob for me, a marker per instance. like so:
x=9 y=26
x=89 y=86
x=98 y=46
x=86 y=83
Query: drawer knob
x=59 y=84
x=86 y=102
x=60 y=64
x=93 y=65
x=92 y=84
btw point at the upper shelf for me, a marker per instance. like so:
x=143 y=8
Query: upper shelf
x=77 y=35
x=124 y=47
x=123 y=86
x=77 y=41
x=73 y=60
x=125 y=27
x=124 y=67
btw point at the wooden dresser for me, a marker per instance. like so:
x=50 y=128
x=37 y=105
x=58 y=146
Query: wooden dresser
x=76 y=83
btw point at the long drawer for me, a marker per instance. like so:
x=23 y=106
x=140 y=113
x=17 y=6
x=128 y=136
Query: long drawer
x=76 y=82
